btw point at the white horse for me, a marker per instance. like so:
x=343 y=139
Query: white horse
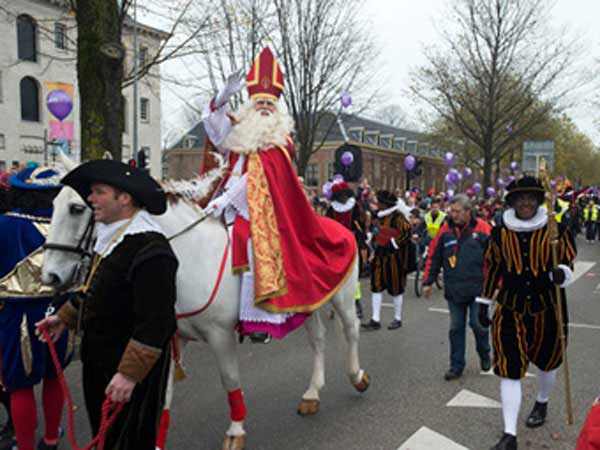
x=201 y=250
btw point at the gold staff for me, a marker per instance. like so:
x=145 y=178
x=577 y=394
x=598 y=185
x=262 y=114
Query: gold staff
x=553 y=232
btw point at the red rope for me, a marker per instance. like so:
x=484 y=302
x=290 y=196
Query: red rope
x=110 y=409
x=215 y=288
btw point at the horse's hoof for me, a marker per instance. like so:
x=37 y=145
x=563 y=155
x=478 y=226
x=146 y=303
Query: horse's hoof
x=234 y=442
x=364 y=383
x=308 y=407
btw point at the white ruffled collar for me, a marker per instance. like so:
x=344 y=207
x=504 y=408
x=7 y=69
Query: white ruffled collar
x=513 y=223
x=141 y=223
x=343 y=207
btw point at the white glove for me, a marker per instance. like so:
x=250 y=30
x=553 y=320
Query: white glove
x=234 y=84
x=217 y=206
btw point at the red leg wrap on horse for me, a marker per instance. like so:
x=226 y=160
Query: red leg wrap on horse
x=237 y=405
x=53 y=400
x=24 y=414
x=163 y=429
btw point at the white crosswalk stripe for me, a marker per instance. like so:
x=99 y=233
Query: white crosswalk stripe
x=427 y=439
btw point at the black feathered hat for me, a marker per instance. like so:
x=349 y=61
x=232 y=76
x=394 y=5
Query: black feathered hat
x=526 y=184
x=136 y=182
x=387 y=198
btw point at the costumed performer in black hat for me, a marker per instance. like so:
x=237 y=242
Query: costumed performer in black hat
x=390 y=264
x=128 y=313
x=520 y=279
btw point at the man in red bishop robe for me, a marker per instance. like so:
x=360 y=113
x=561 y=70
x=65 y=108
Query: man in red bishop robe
x=291 y=261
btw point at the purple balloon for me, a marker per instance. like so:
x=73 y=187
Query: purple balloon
x=347 y=158
x=336 y=178
x=511 y=179
x=450 y=194
x=409 y=162
x=452 y=176
x=553 y=183
x=514 y=166
x=468 y=172
x=345 y=100
x=453 y=171
x=459 y=176
x=500 y=182
x=449 y=179
x=449 y=157
x=477 y=188
x=490 y=191
x=59 y=104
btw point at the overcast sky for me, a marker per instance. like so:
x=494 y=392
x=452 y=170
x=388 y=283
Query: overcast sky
x=401 y=27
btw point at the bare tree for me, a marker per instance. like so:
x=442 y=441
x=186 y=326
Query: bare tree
x=393 y=115
x=500 y=74
x=323 y=48
x=100 y=71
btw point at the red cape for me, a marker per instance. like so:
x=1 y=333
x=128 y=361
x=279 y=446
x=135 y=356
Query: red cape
x=318 y=253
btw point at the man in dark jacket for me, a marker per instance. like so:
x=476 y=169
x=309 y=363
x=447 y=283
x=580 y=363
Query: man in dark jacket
x=459 y=248
x=128 y=314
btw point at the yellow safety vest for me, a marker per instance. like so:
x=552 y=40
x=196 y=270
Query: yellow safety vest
x=433 y=226
x=564 y=207
x=586 y=214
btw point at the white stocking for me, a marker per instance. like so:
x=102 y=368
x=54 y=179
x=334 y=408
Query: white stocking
x=545 y=382
x=510 y=391
x=398 y=307
x=376 y=298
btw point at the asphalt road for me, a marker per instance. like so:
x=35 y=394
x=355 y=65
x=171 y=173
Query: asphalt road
x=406 y=405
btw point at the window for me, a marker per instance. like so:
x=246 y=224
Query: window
x=2 y=141
x=144 y=109
x=15 y=164
x=60 y=36
x=330 y=169
x=2 y=166
x=142 y=57
x=26 y=38
x=30 y=109
x=312 y=175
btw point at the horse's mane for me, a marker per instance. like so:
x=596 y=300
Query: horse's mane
x=195 y=190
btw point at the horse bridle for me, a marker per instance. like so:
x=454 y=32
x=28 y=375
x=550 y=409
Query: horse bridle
x=83 y=244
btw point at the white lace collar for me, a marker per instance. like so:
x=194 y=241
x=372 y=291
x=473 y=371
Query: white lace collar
x=141 y=223
x=513 y=223
x=343 y=207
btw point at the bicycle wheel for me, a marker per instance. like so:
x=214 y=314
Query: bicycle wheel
x=418 y=282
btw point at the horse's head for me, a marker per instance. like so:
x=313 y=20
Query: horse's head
x=68 y=240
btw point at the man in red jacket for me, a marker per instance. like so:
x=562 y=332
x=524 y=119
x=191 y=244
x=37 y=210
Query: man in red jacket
x=459 y=248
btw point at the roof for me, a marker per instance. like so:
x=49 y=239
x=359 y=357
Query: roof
x=358 y=129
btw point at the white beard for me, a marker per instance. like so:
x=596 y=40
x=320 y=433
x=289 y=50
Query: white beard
x=254 y=132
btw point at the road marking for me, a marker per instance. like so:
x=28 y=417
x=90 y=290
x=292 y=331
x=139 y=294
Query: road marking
x=469 y=399
x=427 y=439
x=582 y=267
x=439 y=310
x=584 y=325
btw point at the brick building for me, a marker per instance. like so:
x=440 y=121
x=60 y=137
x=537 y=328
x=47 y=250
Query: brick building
x=383 y=151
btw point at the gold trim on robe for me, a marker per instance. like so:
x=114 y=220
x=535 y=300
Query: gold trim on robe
x=24 y=281
x=26 y=347
x=269 y=273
